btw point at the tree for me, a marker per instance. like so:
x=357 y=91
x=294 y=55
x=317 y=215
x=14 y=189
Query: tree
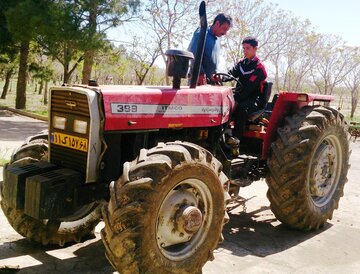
x=112 y=66
x=99 y=16
x=42 y=72
x=284 y=40
x=352 y=80
x=8 y=49
x=295 y=55
x=333 y=63
x=63 y=37
x=144 y=53
x=255 y=18
x=33 y=15
x=7 y=68
x=170 y=21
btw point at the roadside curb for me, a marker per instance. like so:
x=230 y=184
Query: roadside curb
x=26 y=113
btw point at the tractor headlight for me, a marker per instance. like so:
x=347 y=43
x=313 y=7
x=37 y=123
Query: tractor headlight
x=59 y=122
x=80 y=126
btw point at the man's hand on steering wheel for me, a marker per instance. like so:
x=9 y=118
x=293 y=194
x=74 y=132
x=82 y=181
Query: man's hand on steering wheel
x=215 y=79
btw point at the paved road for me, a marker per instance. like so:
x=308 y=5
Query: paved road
x=255 y=242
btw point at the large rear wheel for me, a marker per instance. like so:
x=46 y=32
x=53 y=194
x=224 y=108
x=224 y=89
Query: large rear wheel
x=166 y=212
x=308 y=167
x=59 y=232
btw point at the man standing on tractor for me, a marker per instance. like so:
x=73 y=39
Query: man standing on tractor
x=211 y=56
x=251 y=74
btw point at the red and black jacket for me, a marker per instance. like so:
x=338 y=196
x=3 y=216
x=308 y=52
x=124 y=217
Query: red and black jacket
x=252 y=75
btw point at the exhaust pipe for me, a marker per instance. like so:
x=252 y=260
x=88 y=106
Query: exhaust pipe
x=200 y=46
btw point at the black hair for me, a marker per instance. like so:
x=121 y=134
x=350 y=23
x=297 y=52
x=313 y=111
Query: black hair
x=251 y=41
x=223 y=18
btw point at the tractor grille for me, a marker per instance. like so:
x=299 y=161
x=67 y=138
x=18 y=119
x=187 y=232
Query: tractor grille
x=69 y=158
x=60 y=98
x=71 y=105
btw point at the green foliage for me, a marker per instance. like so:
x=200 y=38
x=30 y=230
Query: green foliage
x=7 y=45
x=41 y=72
x=26 y=18
x=3 y=161
x=62 y=36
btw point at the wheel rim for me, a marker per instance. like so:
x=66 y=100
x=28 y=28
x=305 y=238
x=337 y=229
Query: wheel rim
x=184 y=219
x=324 y=173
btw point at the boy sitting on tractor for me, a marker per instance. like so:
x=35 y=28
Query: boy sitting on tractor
x=251 y=76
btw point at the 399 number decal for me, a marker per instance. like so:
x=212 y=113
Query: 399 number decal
x=126 y=108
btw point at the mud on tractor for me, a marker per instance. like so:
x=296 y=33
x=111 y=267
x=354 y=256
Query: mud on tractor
x=152 y=163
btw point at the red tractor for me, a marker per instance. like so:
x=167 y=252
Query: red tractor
x=153 y=160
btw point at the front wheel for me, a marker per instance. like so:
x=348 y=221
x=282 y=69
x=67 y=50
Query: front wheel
x=308 y=167
x=166 y=212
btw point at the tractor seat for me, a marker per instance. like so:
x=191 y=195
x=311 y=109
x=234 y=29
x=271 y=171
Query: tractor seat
x=264 y=98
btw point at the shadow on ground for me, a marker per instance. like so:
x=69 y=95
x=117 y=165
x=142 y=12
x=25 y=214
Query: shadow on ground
x=259 y=232
x=87 y=259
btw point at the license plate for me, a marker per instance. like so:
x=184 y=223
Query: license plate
x=69 y=141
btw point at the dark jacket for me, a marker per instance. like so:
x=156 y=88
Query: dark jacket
x=252 y=75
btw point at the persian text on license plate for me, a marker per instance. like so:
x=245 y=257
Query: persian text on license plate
x=70 y=141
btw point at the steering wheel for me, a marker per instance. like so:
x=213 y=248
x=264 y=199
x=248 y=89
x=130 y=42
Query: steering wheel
x=229 y=77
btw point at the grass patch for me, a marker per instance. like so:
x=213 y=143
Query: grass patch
x=3 y=161
x=5 y=155
x=34 y=101
x=354 y=119
x=41 y=112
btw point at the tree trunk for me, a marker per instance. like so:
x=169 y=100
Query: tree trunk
x=21 y=83
x=66 y=77
x=354 y=102
x=89 y=54
x=66 y=73
x=41 y=86
x=87 y=68
x=46 y=93
x=167 y=80
x=7 y=83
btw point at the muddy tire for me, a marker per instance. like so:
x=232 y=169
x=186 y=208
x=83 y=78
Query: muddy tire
x=166 y=212
x=45 y=231
x=308 y=167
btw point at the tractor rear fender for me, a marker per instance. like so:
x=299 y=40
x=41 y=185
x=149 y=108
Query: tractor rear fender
x=287 y=104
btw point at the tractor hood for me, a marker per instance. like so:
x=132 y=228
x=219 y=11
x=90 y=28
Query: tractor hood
x=149 y=107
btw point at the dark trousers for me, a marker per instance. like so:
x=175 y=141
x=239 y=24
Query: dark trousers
x=242 y=110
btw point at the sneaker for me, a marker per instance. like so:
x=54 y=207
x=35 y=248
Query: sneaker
x=234 y=145
x=232 y=141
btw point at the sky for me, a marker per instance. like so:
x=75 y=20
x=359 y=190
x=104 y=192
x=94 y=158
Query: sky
x=341 y=17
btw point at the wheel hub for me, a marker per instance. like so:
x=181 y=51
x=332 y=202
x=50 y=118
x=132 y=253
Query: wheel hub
x=189 y=219
x=323 y=171
x=184 y=218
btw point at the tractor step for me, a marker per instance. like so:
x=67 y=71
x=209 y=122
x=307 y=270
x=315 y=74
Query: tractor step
x=244 y=170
